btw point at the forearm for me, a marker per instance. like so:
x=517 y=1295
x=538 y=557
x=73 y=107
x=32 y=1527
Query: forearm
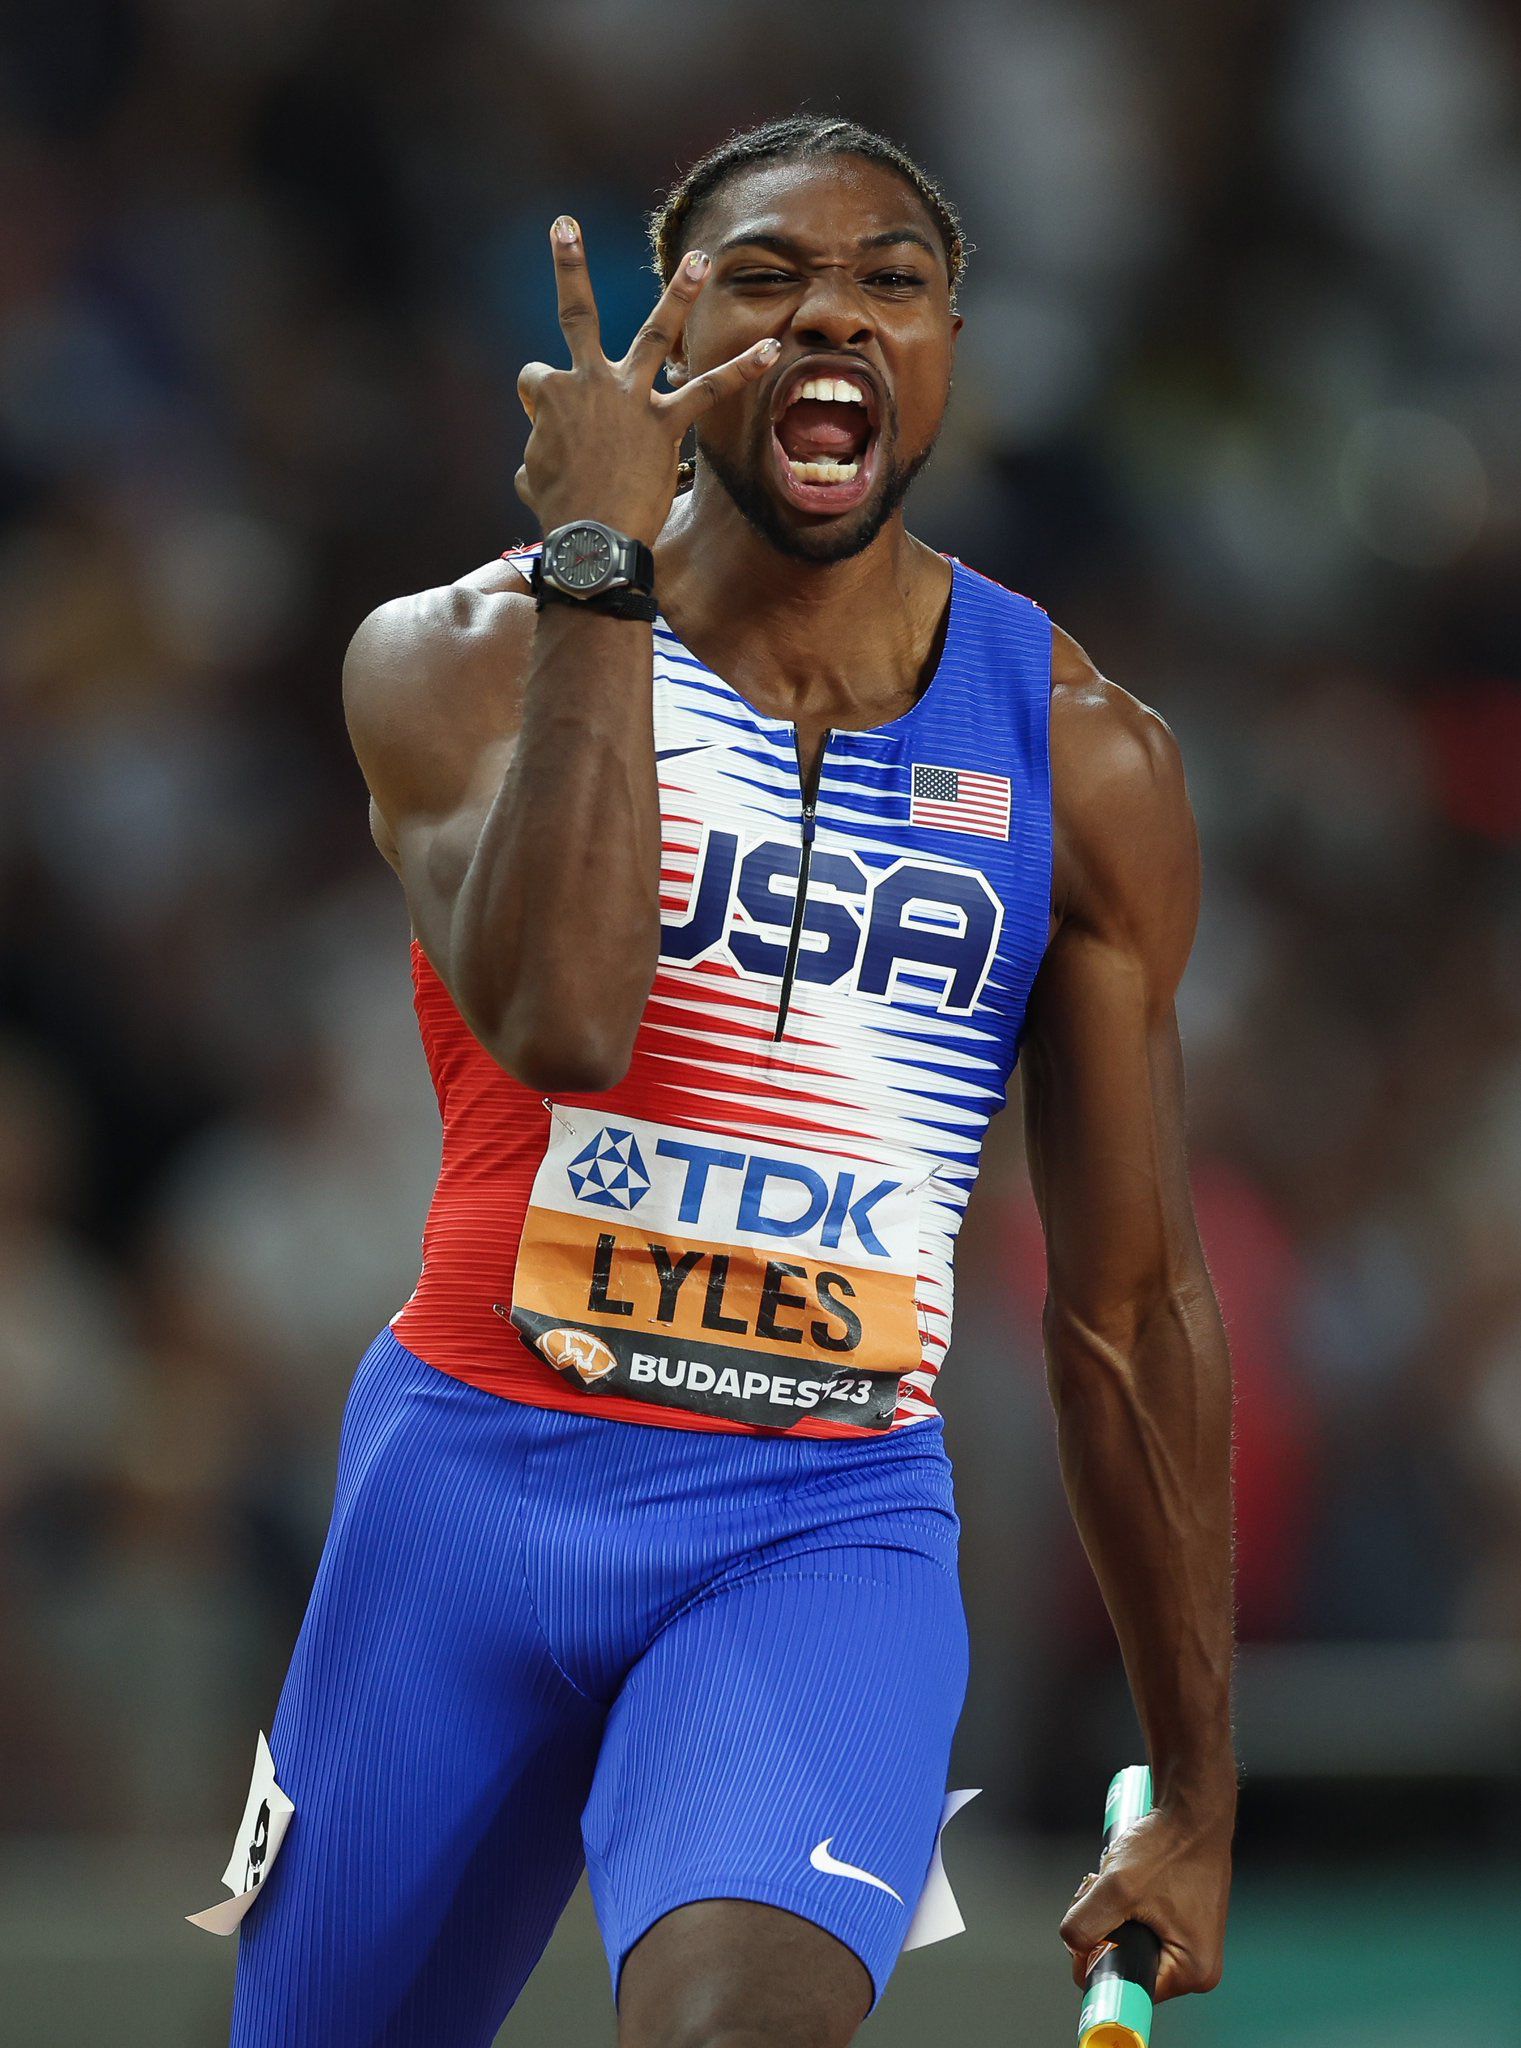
x=1144 y=1430
x=556 y=926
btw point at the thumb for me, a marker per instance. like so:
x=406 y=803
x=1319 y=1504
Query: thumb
x=1102 y=1904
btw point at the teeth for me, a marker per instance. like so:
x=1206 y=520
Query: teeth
x=833 y=390
x=824 y=472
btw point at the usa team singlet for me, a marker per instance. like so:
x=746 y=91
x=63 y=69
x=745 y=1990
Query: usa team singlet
x=723 y=1658
x=755 y=1228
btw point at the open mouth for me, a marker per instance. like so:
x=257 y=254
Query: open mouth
x=824 y=434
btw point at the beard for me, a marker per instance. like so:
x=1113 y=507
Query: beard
x=821 y=544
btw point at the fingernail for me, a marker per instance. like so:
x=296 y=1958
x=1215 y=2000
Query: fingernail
x=566 y=229
x=697 y=263
x=769 y=350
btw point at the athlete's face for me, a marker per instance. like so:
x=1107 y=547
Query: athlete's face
x=839 y=258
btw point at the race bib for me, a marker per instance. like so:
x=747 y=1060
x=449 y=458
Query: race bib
x=266 y=1816
x=689 y=1270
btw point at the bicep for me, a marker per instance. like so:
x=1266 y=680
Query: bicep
x=435 y=844
x=1102 y=1076
x=432 y=693
x=1102 y=1065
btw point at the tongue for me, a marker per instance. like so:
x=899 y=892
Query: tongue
x=816 y=428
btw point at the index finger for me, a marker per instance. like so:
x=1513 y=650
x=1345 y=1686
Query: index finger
x=577 y=308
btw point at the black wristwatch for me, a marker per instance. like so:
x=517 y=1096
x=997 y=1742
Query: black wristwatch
x=590 y=564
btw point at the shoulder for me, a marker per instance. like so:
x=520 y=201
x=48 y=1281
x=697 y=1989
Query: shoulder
x=411 y=643
x=431 y=680
x=1105 y=743
x=1124 y=826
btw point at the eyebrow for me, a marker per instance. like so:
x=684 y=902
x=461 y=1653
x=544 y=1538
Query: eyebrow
x=785 y=245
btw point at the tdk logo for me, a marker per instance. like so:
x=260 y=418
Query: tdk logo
x=766 y=1198
x=861 y=930
x=609 y=1173
x=705 y=1186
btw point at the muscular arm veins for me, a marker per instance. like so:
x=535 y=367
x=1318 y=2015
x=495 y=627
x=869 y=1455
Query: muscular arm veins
x=1135 y=1348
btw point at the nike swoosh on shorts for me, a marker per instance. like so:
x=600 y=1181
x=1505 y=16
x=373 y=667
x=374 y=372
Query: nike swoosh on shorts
x=832 y=1867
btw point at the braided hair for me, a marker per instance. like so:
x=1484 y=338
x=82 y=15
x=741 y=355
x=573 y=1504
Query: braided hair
x=787 y=140
x=795 y=136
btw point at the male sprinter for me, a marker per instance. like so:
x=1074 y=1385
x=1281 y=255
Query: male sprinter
x=746 y=840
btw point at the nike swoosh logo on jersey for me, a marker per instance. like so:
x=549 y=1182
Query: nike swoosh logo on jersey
x=697 y=746
x=833 y=1867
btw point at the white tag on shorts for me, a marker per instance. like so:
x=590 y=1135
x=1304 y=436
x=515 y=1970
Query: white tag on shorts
x=937 y=1916
x=262 y=1830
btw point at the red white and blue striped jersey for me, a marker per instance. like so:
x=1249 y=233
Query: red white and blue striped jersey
x=755 y=1228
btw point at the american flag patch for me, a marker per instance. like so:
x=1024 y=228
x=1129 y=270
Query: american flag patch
x=960 y=800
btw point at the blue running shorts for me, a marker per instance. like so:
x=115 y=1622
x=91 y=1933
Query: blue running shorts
x=704 y=1665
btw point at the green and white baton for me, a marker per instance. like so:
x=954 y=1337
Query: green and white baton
x=1121 y=1980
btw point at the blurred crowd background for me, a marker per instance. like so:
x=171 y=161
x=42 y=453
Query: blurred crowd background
x=1236 y=401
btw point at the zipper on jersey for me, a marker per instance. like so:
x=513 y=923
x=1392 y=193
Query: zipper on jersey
x=810 y=789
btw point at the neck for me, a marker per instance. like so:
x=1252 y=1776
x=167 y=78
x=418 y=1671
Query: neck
x=813 y=630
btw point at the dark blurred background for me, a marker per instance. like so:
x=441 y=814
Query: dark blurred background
x=1237 y=400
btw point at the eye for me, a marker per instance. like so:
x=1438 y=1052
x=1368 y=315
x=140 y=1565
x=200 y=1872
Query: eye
x=761 y=277
x=896 y=280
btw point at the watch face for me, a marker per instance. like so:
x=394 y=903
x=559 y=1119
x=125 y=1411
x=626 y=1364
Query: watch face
x=583 y=557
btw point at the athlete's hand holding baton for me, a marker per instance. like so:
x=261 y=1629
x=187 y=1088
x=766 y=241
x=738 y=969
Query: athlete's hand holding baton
x=605 y=443
x=1156 y=1904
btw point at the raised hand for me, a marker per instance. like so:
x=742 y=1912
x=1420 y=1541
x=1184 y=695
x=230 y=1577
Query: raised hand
x=605 y=444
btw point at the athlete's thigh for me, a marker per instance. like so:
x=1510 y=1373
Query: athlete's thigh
x=727 y=1968
x=437 y=1759
x=785 y=1742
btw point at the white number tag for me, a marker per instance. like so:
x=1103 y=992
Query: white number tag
x=265 y=1819
x=937 y=1916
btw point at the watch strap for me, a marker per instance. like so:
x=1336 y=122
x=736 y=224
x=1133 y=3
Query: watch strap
x=612 y=604
x=641 y=577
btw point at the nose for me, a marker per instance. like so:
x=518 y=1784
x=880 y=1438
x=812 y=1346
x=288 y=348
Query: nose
x=832 y=314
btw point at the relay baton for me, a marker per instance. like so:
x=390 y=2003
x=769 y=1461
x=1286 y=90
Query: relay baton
x=1122 y=1978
